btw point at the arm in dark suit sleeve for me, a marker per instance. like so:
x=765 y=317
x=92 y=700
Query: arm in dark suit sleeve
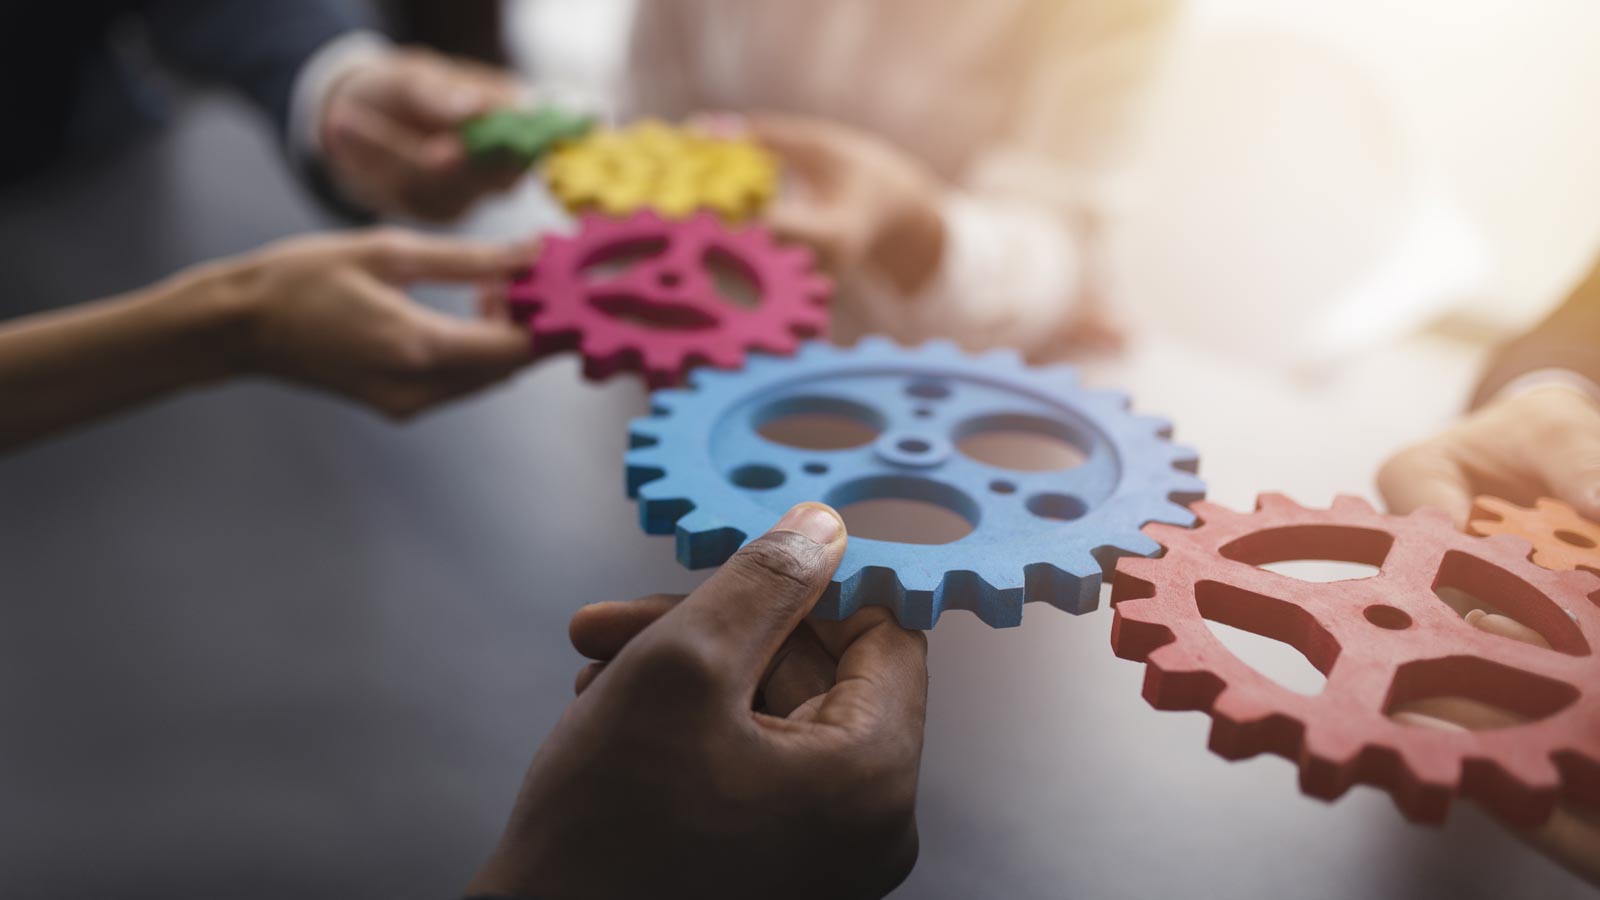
x=1569 y=339
x=255 y=46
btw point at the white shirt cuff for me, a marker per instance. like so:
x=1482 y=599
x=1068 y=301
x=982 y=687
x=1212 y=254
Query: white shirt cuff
x=316 y=78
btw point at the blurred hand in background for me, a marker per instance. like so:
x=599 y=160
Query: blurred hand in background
x=723 y=746
x=854 y=197
x=389 y=133
x=1543 y=442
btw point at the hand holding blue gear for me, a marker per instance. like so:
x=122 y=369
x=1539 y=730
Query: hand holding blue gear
x=701 y=469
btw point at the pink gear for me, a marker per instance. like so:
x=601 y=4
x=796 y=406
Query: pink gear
x=664 y=313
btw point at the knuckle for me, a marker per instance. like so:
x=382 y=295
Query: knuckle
x=680 y=664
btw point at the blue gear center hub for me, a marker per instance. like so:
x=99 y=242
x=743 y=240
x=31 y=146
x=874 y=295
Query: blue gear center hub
x=701 y=469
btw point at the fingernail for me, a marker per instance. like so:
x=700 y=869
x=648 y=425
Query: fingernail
x=818 y=523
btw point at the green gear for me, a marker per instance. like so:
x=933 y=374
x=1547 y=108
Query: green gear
x=521 y=136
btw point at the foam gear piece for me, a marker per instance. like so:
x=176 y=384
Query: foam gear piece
x=676 y=171
x=701 y=469
x=1562 y=539
x=664 y=313
x=1383 y=642
x=519 y=136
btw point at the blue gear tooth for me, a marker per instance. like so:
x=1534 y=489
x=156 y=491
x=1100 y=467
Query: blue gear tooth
x=680 y=456
x=875 y=343
x=812 y=349
x=1002 y=356
x=1186 y=488
x=1114 y=402
x=641 y=468
x=1074 y=592
x=704 y=540
x=663 y=401
x=1133 y=543
x=940 y=348
x=1186 y=459
x=1060 y=378
x=1157 y=425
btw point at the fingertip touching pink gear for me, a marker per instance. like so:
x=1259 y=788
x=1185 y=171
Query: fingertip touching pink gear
x=663 y=312
x=1390 y=646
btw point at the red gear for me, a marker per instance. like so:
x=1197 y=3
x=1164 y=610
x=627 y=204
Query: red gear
x=1382 y=642
x=664 y=313
x=1562 y=539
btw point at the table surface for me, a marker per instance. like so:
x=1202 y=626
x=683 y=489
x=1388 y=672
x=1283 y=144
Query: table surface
x=259 y=643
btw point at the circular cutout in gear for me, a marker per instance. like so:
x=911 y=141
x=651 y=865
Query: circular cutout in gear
x=1132 y=475
x=1384 y=643
x=662 y=313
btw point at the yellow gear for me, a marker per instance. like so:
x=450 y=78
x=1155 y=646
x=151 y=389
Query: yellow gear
x=675 y=171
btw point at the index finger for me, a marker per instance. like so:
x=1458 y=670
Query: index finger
x=403 y=257
x=1425 y=475
x=882 y=677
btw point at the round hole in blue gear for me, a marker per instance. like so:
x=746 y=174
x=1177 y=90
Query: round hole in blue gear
x=1132 y=475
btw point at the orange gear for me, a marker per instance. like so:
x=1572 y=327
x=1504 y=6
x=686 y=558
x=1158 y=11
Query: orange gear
x=1383 y=642
x=675 y=171
x=1562 y=539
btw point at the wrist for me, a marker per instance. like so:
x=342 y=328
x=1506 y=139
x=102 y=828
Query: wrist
x=210 y=312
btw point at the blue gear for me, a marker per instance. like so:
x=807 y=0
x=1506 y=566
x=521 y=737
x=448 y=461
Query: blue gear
x=700 y=469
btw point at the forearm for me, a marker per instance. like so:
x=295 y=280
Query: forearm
x=63 y=368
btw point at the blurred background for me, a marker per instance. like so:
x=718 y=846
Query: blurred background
x=257 y=643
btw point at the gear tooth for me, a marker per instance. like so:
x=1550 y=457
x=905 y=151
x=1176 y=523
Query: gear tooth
x=1511 y=544
x=1166 y=534
x=644 y=431
x=875 y=343
x=703 y=378
x=1532 y=772
x=1176 y=513
x=1427 y=766
x=699 y=521
x=1485 y=506
x=968 y=590
x=814 y=350
x=1144 y=568
x=1580 y=581
x=1209 y=512
x=1350 y=504
x=1433 y=516
x=1115 y=402
x=1076 y=592
x=936 y=349
x=1002 y=356
x=1155 y=425
x=1552 y=506
x=639 y=472
x=1062 y=377
x=1130 y=543
x=1184 y=491
x=1273 y=501
x=662 y=489
x=664 y=400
